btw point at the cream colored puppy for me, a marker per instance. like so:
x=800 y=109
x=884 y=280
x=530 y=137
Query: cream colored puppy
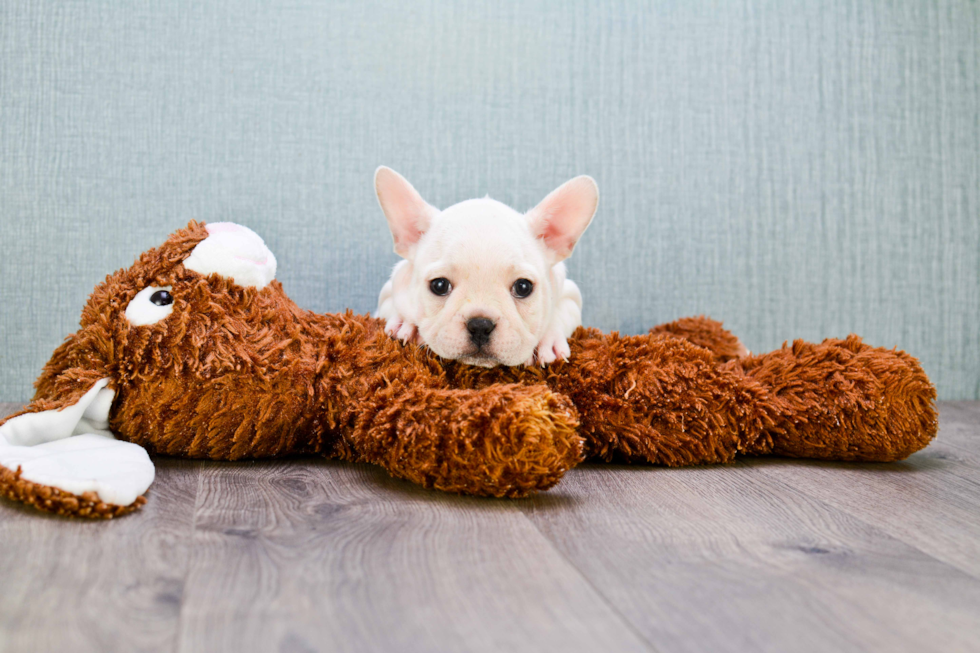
x=482 y=283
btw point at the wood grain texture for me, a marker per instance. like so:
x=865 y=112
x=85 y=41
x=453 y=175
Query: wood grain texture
x=328 y=556
x=931 y=500
x=723 y=559
x=311 y=555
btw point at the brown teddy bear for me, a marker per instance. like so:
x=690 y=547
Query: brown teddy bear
x=196 y=351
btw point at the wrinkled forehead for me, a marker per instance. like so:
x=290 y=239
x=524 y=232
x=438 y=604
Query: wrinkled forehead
x=481 y=232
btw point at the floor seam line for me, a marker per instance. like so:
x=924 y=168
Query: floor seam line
x=191 y=536
x=588 y=581
x=873 y=526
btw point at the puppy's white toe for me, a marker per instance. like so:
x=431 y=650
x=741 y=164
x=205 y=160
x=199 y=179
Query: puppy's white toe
x=552 y=348
x=406 y=333
x=562 y=350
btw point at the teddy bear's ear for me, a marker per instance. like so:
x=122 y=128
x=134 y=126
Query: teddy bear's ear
x=235 y=252
x=62 y=458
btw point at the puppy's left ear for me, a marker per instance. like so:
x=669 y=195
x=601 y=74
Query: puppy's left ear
x=562 y=217
x=408 y=215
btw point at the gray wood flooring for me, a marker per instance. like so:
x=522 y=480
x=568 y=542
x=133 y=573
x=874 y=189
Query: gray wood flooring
x=313 y=555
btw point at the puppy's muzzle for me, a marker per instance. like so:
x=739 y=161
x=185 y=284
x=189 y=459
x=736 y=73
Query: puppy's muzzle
x=480 y=329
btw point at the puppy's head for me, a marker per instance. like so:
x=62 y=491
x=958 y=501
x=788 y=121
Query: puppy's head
x=480 y=281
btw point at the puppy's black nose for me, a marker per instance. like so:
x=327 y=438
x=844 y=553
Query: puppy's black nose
x=480 y=329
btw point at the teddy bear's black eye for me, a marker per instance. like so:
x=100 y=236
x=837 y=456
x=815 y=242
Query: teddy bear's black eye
x=161 y=298
x=522 y=288
x=440 y=286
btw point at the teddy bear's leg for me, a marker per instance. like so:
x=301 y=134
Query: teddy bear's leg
x=704 y=332
x=664 y=400
x=660 y=400
x=507 y=440
x=844 y=400
x=391 y=404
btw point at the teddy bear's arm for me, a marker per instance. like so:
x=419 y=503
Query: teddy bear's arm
x=390 y=404
x=58 y=454
x=508 y=440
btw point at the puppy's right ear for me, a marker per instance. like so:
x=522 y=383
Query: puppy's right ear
x=562 y=217
x=408 y=215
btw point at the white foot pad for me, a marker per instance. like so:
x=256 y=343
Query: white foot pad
x=118 y=472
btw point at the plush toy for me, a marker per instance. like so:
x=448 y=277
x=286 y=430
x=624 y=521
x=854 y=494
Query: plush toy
x=196 y=351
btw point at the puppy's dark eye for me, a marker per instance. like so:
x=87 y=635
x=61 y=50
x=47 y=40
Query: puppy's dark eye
x=440 y=286
x=522 y=288
x=161 y=298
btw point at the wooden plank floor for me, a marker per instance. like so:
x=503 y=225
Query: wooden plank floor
x=314 y=555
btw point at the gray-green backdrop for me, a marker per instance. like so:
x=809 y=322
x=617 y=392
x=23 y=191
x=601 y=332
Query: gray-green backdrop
x=796 y=169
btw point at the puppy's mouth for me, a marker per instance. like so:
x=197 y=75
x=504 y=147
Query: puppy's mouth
x=480 y=357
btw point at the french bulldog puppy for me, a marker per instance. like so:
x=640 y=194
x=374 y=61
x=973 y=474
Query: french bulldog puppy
x=480 y=282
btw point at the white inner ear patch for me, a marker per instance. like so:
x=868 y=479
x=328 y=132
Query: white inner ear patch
x=235 y=252
x=144 y=308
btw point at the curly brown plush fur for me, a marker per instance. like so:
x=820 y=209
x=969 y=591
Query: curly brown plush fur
x=659 y=398
x=237 y=372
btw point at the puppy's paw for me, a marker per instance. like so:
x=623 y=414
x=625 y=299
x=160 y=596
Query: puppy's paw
x=743 y=351
x=402 y=330
x=552 y=347
x=408 y=333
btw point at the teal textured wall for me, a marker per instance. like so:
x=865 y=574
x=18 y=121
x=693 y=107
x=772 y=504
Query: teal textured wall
x=796 y=169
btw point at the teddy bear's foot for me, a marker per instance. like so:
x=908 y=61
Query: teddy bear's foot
x=503 y=441
x=844 y=400
x=46 y=498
